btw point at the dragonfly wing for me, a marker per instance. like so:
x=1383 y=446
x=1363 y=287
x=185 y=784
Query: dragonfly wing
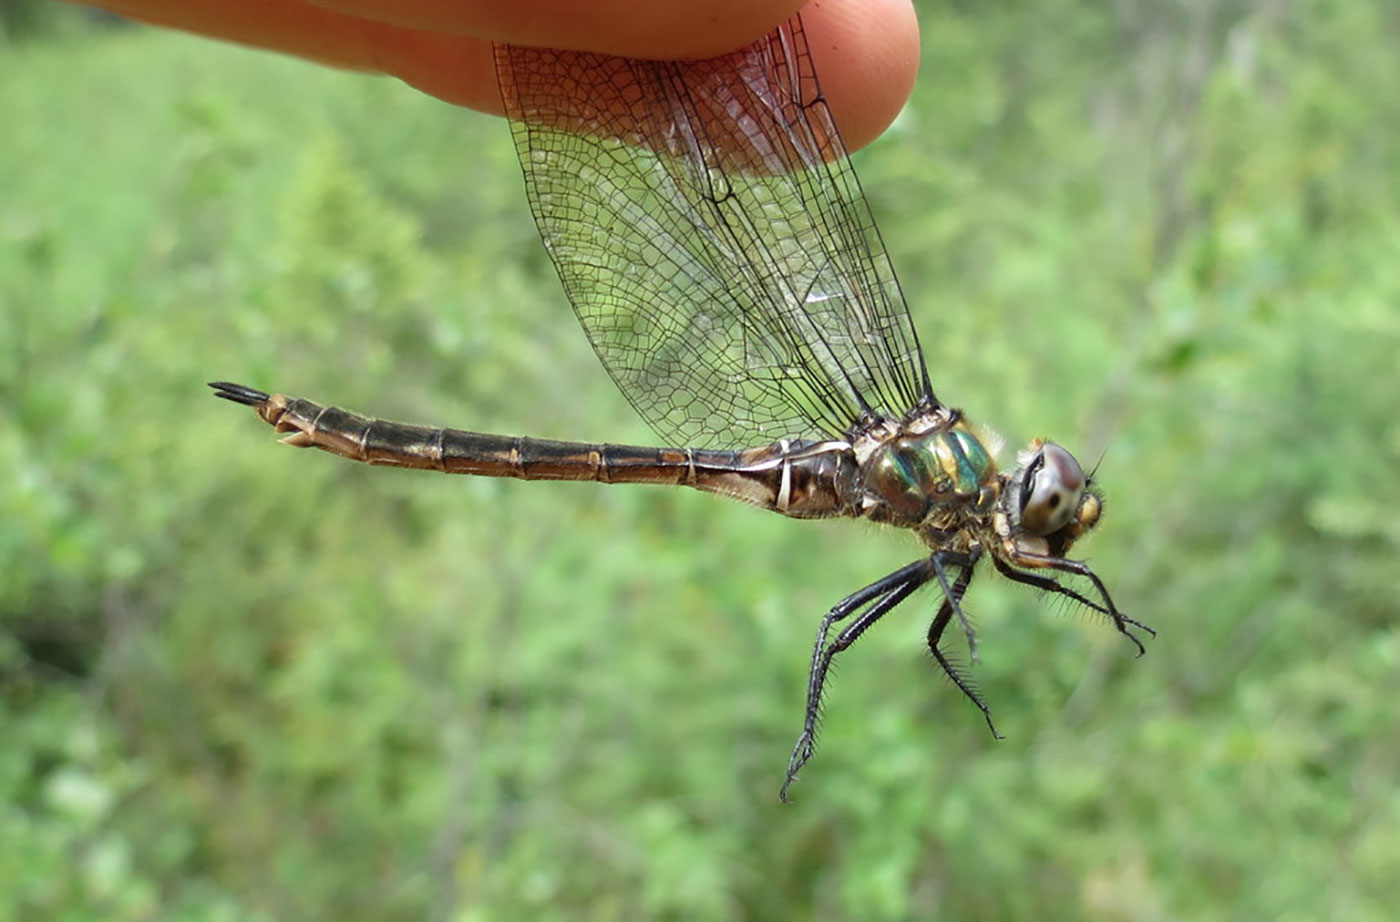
x=714 y=241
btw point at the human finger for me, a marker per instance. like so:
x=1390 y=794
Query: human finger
x=866 y=50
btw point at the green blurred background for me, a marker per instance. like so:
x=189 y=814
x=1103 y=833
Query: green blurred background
x=242 y=682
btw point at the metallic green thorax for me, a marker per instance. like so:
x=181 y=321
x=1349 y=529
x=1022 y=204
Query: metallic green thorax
x=963 y=459
x=915 y=472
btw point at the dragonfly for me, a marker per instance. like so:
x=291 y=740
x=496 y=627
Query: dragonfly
x=717 y=248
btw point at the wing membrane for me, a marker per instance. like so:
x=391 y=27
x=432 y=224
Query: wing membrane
x=714 y=241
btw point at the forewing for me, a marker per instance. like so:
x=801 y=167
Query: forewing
x=714 y=241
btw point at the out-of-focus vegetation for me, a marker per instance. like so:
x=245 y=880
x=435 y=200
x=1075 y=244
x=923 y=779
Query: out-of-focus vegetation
x=243 y=682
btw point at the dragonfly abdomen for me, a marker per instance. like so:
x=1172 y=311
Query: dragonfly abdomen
x=801 y=480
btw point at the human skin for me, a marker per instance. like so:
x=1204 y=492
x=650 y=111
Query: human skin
x=866 y=51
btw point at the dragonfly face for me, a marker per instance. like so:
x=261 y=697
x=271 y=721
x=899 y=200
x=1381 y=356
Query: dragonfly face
x=1047 y=502
x=715 y=244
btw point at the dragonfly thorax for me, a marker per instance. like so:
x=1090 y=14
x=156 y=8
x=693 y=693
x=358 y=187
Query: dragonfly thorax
x=914 y=476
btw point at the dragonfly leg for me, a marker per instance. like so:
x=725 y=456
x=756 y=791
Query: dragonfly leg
x=1078 y=568
x=1049 y=585
x=952 y=603
x=877 y=599
x=965 y=563
x=1046 y=584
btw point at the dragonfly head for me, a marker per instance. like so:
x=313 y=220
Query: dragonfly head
x=1049 y=500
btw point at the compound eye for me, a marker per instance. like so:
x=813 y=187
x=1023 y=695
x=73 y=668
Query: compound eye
x=1051 y=491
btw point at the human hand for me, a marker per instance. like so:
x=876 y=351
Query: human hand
x=866 y=51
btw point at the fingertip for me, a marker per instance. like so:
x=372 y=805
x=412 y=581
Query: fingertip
x=867 y=58
x=866 y=54
x=630 y=28
x=866 y=50
x=642 y=28
x=453 y=68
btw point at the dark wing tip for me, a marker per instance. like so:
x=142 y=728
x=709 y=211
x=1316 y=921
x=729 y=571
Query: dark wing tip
x=238 y=393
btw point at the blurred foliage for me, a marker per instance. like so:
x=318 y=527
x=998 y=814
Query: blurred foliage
x=241 y=682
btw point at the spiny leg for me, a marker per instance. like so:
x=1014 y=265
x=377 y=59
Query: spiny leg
x=1049 y=585
x=952 y=602
x=964 y=561
x=848 y=606
x=881 y=596
x=1078 y=568
x=1046 y=584
x=803 y=750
